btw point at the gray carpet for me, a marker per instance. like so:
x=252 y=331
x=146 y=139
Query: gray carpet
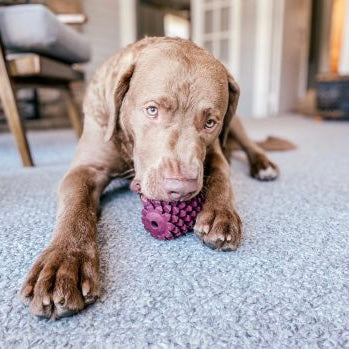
x=286 y=287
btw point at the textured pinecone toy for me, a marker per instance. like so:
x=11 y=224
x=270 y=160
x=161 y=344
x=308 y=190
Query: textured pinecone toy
x=168 y=220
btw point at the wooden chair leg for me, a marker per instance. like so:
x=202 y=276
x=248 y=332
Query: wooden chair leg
x=73 y=111
x=9 y=104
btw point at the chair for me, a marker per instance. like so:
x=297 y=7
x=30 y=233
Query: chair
x=37 y=50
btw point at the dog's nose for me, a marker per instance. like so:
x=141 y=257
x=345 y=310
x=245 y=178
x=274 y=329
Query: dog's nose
x=177 y=189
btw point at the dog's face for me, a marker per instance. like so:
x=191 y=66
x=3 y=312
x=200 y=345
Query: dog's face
x=175 y=107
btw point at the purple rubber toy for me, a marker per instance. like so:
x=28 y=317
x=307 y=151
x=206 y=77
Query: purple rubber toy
x=168 y=220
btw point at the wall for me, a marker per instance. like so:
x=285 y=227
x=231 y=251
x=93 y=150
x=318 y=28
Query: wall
x=294 y=68
x=344 y=59
x=102 y=30
x=150 y=21
x=248 y=50
x=319 y=47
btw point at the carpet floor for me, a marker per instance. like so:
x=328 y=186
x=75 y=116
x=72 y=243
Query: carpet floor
x=286 y=287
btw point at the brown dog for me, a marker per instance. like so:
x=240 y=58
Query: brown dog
x=160 y=112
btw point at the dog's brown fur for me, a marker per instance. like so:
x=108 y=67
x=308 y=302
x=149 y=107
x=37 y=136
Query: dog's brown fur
x=188 y=85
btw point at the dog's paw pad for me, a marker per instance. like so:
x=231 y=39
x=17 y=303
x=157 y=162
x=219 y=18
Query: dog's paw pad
x=267 y=174
x=263 y=169
x=61 y=283
x=219 y=229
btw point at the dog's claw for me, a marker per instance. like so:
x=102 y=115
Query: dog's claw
x=53 y=289
x=219 y=229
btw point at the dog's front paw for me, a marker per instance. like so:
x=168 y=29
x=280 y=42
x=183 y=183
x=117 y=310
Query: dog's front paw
x=219 y=228
x=263 y=169
x=61 y=282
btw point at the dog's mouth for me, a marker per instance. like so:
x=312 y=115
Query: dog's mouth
x=143 y=198
x=135 y=186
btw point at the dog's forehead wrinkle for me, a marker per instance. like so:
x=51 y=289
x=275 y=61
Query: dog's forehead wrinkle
x=180 y=88
x=190 y=97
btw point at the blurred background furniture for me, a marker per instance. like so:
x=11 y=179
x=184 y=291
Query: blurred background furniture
x=37 y=49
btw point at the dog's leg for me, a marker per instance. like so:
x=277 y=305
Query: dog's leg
x=260 y=166
x=65 y=277
x=218 y=225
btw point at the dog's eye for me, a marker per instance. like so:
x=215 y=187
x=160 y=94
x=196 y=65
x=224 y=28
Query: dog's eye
x=152 y=111
x=210 y=123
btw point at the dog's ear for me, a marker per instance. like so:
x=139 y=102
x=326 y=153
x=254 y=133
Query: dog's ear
x=234 y=93
x=116 y=92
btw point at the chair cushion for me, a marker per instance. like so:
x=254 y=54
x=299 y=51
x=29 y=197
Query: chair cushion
x=34 y=28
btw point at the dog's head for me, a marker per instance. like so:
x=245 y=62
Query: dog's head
x=174 y=100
